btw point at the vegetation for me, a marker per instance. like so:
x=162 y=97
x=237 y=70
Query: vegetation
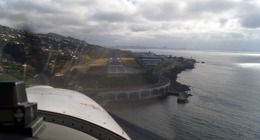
x=128 y=60
x=76 y=62
x=97 y=64
x=42 y=53
x=104 y=81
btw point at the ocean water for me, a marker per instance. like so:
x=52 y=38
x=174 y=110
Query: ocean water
x=225 y=102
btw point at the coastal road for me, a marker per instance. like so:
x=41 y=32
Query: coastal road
x=115 y=64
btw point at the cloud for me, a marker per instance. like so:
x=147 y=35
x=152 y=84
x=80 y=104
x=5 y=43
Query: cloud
x=138 y=22
x=251 y=21
x=159 y=10
x=210 y=6
x=249 y=18
x=223 y=21
x=112 y=16
x=19 y=18
x=237 y=35
x=139 y=28
x=3 y=13
x=33 y=6
x=166 y=10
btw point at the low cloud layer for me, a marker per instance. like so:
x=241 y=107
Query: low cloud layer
x=142 y=22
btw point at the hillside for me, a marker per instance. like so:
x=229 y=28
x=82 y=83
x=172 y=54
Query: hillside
x=66 y=62
x=46 y=54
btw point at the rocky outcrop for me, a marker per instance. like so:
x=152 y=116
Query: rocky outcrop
x=172 y=74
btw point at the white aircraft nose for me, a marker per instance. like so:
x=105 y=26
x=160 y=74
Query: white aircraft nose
x=76 y=105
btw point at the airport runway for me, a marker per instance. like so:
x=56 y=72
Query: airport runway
x=115 y=64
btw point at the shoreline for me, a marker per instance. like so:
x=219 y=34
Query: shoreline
x=175 y=86
x=174 y=69
x=166 y=72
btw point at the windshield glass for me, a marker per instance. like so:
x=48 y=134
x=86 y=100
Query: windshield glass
x=163 y=69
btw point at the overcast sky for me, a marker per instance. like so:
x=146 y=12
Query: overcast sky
x=210 y=24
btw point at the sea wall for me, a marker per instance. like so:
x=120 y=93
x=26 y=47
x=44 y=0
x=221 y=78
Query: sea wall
x=133 y=95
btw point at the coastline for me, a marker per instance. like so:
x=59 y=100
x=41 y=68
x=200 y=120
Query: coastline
x=168 y=71
x=209 y=106
x=173 y=75
x=172 y=69
x=166 y=74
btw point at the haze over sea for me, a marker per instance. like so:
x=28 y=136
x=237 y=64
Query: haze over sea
x=225 y=102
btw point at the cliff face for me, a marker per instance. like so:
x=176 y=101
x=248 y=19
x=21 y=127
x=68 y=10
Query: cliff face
x=177 y=67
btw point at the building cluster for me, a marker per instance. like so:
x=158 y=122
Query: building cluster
x=46 y=42
x=52 y=48
x=149 y=60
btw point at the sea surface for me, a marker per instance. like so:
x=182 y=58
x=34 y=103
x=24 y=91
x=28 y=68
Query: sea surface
x=225 y=102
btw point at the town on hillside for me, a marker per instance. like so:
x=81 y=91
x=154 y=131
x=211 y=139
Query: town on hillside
x=66 y=62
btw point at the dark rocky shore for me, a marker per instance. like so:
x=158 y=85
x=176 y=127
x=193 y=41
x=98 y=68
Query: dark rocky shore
x=172 y=75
